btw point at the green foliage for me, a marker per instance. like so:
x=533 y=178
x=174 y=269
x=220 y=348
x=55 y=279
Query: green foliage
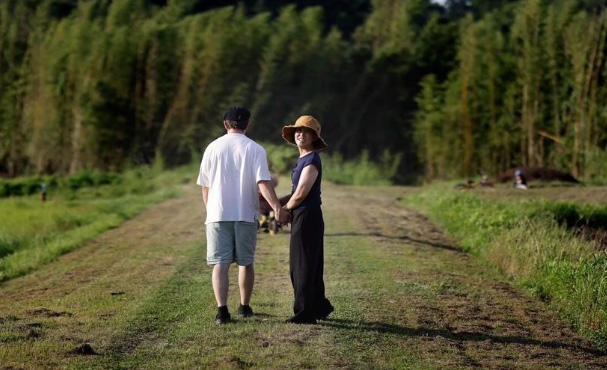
x=596 y=171
x=32 y=185
x=527 y=92
x=99 y=85
x=281 y=158
x=104 y=84
x=539 y=243
x=357 y=171
x=361 y=170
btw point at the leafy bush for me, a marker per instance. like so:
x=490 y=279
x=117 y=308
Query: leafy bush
x=360 y=171
x=8 y=244
x=20 y=186
x=281 y=158
x=24 y=186
x=80 y=180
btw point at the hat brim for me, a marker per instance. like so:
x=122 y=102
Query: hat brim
x=288 y=133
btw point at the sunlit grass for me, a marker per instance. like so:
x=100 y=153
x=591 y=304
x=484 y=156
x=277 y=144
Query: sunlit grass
x=535 y=242
x=33 y=233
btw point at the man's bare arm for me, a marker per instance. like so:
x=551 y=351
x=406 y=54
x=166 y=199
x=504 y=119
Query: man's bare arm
x=205 y=195
x=267 y=190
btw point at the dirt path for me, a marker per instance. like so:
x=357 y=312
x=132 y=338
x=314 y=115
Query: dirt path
x=479 y=319
x=406 y=296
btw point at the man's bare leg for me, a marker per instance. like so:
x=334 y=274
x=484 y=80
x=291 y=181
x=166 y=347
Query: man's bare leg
x=221 y=284
x=246 y=279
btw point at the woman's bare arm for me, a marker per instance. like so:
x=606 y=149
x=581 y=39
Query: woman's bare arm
x=308 y=176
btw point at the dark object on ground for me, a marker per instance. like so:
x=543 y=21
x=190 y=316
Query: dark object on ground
x=538 y=174
x=84 y=349
x=468 y=185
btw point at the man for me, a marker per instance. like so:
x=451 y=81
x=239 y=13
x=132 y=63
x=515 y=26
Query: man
x=233 y=168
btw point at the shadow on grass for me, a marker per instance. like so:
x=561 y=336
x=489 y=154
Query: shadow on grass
x=459 y=336
x=404 y=237
x=262 y=315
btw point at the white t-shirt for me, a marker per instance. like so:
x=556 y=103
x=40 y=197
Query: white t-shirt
x=231 y=167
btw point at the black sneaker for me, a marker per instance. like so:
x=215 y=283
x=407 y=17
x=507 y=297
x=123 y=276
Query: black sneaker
x=223 y=316
x=325 y=313
x=245 y=311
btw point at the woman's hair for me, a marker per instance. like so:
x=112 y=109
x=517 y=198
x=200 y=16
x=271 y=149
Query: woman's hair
x=306 y=129
x=239 y=125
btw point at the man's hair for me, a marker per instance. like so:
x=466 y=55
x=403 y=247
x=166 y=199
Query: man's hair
x=239 y=125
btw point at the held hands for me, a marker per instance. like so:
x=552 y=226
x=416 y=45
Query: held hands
x=283 y=216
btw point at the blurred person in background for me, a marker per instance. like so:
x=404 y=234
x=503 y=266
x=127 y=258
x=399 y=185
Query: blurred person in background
x=520 y=182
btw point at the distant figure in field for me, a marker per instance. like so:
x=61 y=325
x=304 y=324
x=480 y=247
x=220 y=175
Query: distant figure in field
x=43 y=192
x=233 y=169
x=485 y=183
x=520 y=182
x=306 y=250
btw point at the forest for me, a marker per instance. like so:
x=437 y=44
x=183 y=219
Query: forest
x=451 y=91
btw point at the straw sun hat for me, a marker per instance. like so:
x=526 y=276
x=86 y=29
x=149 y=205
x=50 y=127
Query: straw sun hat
x=288 y=132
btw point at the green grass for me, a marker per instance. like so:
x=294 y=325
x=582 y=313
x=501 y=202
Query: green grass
x=34 y=233
x=361 y=171
x=535 y=242
x=145 y=302
x=173 y=327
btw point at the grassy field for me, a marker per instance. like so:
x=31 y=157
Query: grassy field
x=33 y=233
x=139 y=297
x=549 y=240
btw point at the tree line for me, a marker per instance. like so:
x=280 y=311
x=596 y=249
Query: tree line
x=473 y=86
x=528 y=90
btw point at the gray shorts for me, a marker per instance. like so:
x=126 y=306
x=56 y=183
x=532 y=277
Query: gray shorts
x=231 y=241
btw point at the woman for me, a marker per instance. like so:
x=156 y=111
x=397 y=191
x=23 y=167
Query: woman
x=307 y=225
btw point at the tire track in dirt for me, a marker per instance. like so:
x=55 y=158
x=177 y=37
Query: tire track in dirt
x=490 y=322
